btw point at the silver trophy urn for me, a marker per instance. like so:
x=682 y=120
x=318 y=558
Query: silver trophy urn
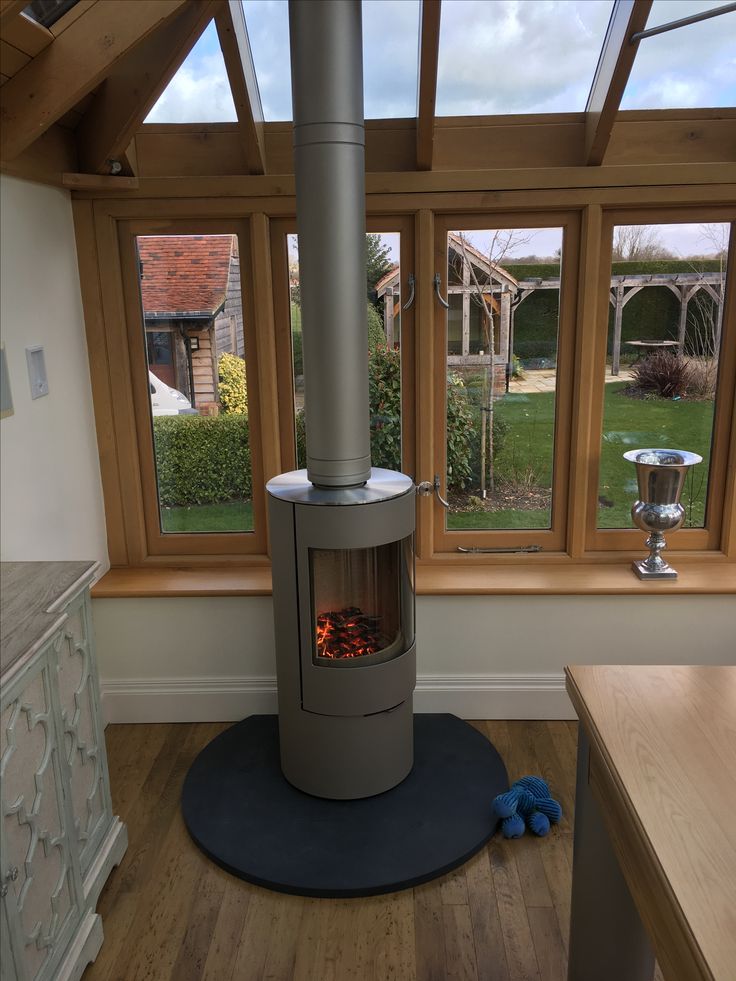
x=660 y=475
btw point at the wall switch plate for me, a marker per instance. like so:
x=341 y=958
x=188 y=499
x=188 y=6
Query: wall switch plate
x=37 y=371
x=6 y=399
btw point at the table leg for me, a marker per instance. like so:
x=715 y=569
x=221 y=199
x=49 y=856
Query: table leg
x=607 y=939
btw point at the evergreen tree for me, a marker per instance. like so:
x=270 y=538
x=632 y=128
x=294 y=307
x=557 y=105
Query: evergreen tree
x=377 y=261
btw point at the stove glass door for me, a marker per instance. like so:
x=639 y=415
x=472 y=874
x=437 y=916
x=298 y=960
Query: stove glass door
x=362 y=603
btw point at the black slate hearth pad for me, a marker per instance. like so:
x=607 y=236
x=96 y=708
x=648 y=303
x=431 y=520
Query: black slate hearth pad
x=246 y=817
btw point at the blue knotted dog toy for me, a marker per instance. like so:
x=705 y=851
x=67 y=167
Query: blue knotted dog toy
x=527 y=804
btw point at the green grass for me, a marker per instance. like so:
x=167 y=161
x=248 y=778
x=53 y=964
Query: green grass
x=632 y=423
x=229 y=516
x=628 y=424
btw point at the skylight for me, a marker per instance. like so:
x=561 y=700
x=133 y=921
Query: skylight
x=200 y=90
x=390 y=57
x=512 y=56
x=268 y=30
x=691 y=67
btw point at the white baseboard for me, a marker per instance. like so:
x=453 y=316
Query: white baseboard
x=490 y=696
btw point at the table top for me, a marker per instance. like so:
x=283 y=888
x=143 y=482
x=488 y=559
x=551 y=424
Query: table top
x=32 y=596
x=666 y=739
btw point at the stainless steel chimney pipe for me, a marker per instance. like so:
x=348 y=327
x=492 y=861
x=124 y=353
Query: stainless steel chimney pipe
x=329 y=157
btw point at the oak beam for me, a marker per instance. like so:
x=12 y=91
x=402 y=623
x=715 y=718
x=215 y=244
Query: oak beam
x=129 y=93
x=9 y=10
x=99 y=182
x=429 y=49
x=614 y=66
x=241 y=73
x=72 y=66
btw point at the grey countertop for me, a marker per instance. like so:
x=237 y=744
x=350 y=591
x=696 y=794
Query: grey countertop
x=32 y=600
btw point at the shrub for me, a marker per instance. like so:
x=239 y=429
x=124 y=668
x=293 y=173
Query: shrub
x=463 y=430
x=232 y=392
x=703 y=378
x=661 y=373
x=384 y=386
x=202 y=459
x=376 y=333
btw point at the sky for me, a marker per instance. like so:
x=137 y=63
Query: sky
x=496 y=56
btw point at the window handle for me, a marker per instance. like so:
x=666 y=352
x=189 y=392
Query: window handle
x=410 y=281
x=437 y=282
x=426 y=488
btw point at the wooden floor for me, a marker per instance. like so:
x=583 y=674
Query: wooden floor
x=169 y=913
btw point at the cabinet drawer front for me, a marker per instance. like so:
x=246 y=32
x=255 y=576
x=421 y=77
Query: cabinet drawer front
x=84 y=745
x=37 y=838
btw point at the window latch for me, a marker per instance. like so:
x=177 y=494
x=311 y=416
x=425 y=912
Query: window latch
x=426 y=488
x=476 y=550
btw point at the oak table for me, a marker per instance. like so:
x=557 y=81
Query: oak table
x=654 y=868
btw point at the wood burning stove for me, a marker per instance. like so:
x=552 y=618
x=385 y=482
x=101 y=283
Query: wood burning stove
x=342 y=533
x=343 y=594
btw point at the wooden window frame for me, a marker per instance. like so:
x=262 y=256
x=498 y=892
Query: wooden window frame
x=552 y=539
x=709 y=538
x=398 y=199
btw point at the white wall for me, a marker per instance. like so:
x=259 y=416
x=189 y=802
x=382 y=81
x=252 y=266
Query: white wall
x=51 y=494
x=479 y=657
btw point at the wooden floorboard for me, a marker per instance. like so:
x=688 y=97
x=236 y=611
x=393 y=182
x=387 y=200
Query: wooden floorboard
x=171 y=915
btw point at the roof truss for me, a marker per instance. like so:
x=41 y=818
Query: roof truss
x=429 y=49
x=614 y=67
x=241 y=73
x=133 y=87
x=74 y=64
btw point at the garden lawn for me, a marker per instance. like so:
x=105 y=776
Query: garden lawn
x=628 y=424
x=228 y=516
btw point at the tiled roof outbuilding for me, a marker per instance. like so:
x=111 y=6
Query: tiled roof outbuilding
x=184 y=275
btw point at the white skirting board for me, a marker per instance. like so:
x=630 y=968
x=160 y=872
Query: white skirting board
x=490 y=696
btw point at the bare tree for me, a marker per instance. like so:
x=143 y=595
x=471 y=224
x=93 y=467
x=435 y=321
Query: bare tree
x=633 y=243
x=503 y=241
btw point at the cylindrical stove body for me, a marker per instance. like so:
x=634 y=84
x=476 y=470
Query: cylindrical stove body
x=343 y=594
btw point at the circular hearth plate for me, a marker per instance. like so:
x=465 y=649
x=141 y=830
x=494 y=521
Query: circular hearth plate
x=246 y=817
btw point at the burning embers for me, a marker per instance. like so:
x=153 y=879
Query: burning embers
x=348 y=633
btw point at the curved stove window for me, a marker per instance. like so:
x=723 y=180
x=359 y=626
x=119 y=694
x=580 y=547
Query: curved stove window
x=362 y=603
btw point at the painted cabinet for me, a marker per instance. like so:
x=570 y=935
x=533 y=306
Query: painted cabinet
x=58 y=836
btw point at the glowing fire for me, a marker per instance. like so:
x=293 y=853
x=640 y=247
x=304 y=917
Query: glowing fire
x=347 y=633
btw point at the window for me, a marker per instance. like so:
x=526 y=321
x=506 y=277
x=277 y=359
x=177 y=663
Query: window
x=519 y=395
x=390 y=339
x=665 y=366
x=509 y=330
x=194 y=380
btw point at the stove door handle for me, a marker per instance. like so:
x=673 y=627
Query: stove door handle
x=410 y=281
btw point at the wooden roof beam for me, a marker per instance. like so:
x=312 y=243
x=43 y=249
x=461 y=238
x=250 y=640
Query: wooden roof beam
x=241 y=73
x=614 y=67
x=9 y=10
x=73 y=65
x=429 y=49
x=135 y=84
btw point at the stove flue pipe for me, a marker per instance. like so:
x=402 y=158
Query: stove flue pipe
x=329 y=152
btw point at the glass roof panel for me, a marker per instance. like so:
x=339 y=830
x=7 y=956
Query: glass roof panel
x=515 y=56
x=47 y=12
x=690 y=67
x=268 y=30
x=390 y=58
x=200 y=90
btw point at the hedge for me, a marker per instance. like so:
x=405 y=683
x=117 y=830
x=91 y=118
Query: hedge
x=202 y=459
x=463 y=421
